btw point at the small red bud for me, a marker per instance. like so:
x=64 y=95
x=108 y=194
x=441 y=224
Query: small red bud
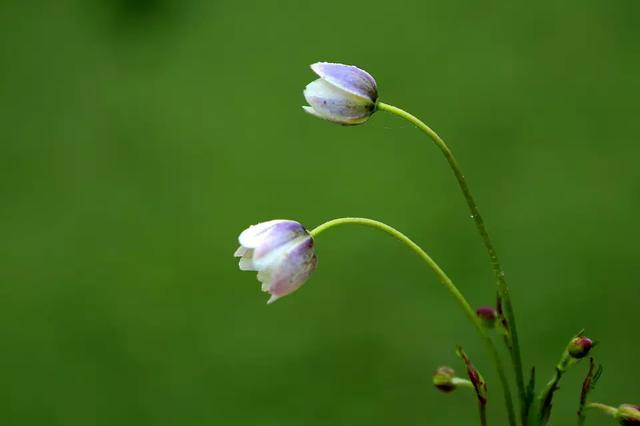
x=488 y=316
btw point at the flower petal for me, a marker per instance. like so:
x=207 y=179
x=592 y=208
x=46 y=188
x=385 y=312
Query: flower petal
x=272 y=299
x=246 y=262
x=349 y=78
x=292 y=270
x=255 y=235
x=277 y=236
x=282 y=253
x=240 y=252
x=335 y=104
x=312 y=111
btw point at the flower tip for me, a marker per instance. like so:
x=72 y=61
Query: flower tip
x=318 y=67
x=309 y=110
x=314 y=66
x=272 y=299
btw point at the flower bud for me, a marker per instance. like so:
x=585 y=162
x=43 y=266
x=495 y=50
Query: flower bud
x=488 y=316
x=476 y=379
x=579 y=347
x=443 y=379
x=628 y=415
x=282 y=253
x=343 y=94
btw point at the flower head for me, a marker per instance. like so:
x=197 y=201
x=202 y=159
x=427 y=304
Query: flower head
x=343 y=94
x=282 y=253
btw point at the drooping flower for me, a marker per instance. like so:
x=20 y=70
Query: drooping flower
x=343 y=94
x=282 y=253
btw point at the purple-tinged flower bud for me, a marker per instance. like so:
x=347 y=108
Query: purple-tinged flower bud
x=443 y=379
x=628 y=415
x=488 y=316
x=476 y=379
x=282 y=253
x=579 y=347
x=343 y=94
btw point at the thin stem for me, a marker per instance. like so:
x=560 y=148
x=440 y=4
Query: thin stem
x=483 y=413
x=581 y=418
x=444 y=280
x=462 y=383
x=546 y=396
x=503 y=289
x=607 y=409
x=588 y=385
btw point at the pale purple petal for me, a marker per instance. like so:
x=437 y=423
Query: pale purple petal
x=255 y=235
x=294 y=269
x=334 y=104
x=349 y=78
x=276 y=236
x=282 y=253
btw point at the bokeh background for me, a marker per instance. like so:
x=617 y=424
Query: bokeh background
x=139 y=137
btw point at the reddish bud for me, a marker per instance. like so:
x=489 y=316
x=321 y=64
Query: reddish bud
x=488 y=316
x=579 y=347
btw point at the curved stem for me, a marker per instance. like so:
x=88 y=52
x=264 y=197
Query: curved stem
x=462 y=383
x=446 y=281
x=606 y=409
x=503 y=289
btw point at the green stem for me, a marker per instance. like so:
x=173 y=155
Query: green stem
x=588 y=385
x=503 y=289
x=483 y=414
x=446 y=281
x=543 y=408
x=581 y=419
x=462 y=383
x=607 y=409
x=553 y=384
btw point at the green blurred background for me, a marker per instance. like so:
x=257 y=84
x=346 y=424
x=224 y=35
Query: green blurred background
x=139 y=137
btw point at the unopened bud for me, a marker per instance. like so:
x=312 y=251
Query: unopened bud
x=443 y=379
x=628 y=415
x=579 y=347
x=488 y=316
x=476 y=379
